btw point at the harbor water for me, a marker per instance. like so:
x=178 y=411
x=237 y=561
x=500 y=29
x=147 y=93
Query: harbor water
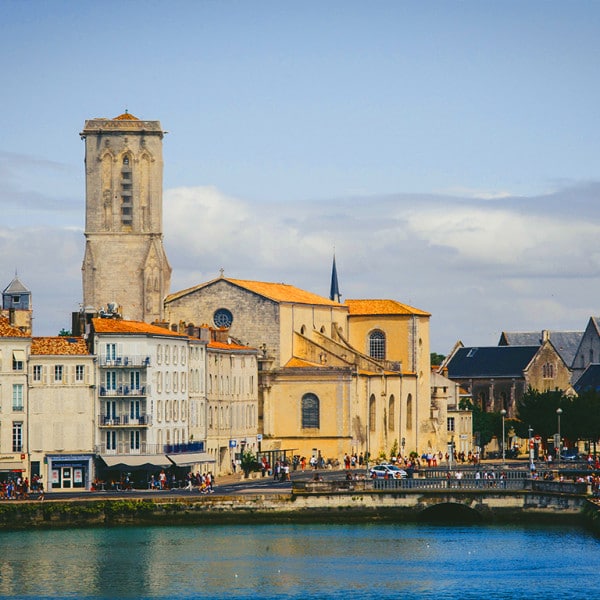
x=407 y=561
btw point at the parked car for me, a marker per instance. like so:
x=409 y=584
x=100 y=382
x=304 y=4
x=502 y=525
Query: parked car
x=569 y=454
x=386 y=471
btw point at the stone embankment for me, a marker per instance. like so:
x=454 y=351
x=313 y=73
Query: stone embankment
x=325 y=506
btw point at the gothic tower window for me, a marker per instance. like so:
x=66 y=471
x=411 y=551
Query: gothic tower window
x=126 y=194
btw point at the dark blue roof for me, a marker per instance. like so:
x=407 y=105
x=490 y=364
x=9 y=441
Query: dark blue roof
x=589 y=380
x=490 y=361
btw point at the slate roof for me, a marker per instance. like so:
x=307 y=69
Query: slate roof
x=589 y=380
x=564 y=342
x=16 y=287
x=490 y=361
x=382 y=307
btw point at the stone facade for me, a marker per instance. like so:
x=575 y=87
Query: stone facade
x=61 y=417
x=124 y=262
x=319 y=390
x=232 y=402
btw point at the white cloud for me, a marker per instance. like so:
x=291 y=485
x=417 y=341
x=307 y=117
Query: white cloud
x=509 y=264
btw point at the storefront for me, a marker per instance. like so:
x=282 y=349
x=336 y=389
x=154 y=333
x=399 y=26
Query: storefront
x=11 y=468
x=69 y=471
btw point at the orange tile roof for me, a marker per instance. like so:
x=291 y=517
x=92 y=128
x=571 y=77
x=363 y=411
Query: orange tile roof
x=225 y=346
x=299 y=363
x=279 y=292
x=58 y=345
x=7 y=330
x=382 y=307
x=126 y=117
x=122 y=326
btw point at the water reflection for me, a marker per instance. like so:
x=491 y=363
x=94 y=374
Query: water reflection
x=300 y=561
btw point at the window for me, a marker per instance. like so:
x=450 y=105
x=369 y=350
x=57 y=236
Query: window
x=111 y=380
x=18 y=360
x=310 y=412
x=377 y=345
x=37 y=372
x=111 y=440
x=134 y=409
x=17 y=437
x=223 y=318
x=409 y=411
x=392 y=413
x=111 y=410
x=548 y=371
x=79 y=372
x=111 y=352
x=17 y=400
x=134 y=380
x=451 y=424
x=58 y=373
x=134 y=440
x=372 y=413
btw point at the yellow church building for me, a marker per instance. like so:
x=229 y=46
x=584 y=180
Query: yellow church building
x=334 y=378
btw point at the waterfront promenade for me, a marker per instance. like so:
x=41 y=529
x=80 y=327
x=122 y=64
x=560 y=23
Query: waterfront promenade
x=322 y=496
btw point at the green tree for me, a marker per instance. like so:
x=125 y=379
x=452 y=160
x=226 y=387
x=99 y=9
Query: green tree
x=248 y=462
x=582 y=422
x=486 y=425
x=436 y=359
x=64 y=333
x=538 y=410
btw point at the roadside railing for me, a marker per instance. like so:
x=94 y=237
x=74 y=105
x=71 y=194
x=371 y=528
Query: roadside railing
x=438 y=483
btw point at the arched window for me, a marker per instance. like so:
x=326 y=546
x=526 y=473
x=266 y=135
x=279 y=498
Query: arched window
x=377 y=345
x=392 y=413
x=372 y=413
x=409 y=410
x=310 y=412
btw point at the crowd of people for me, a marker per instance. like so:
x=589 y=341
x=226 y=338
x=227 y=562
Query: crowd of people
x=19 y=488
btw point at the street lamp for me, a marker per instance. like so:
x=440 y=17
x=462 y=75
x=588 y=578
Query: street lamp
x=503 y=413
x=531 y=465
x=558 y=413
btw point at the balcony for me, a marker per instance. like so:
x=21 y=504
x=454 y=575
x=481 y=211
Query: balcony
x=125 y=390
x=124 y=361
x=125 y=449
x=125 y=420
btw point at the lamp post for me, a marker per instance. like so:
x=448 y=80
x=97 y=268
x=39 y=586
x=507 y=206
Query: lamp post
x=531 y=465
x=558 y=413
x=503 y=413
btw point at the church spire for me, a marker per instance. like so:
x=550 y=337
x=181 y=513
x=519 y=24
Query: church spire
x=334 y=292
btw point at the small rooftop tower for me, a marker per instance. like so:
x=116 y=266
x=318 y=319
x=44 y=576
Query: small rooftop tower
x=16 y=305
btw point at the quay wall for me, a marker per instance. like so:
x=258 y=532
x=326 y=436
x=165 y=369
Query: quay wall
x=299 y=508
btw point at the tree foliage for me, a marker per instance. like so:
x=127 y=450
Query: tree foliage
x=486 y=425
x=436 y=359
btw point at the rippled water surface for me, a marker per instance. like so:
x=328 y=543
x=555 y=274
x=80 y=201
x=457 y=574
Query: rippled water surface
x=302 y=561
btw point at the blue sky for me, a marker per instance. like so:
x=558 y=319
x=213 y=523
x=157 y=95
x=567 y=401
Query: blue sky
x=448 y=150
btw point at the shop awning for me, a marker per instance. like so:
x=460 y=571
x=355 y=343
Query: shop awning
x=19 y=355
x=136 y=461
x=190 y=458
x=7 y=465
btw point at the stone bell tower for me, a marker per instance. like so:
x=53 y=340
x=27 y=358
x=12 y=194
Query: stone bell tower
x=125 y=264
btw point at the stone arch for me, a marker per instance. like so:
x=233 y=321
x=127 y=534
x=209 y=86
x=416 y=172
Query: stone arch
x=449 y=512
